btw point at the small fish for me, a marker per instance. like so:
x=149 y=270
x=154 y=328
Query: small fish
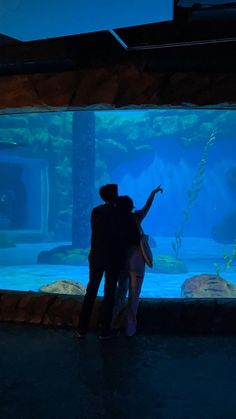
x=4 y=145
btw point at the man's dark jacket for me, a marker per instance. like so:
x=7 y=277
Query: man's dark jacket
x=107 y=247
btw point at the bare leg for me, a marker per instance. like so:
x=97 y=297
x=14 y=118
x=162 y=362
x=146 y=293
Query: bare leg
x=137 y=270
x=133 y=302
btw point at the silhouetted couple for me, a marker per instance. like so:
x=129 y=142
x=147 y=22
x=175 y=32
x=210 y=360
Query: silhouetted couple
x=115 y=252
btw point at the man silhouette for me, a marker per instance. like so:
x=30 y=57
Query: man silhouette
x=107 y=256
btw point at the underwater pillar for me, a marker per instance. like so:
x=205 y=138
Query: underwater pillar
x=83 y=176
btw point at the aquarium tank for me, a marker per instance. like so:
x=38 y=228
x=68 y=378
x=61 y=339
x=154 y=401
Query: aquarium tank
x=53 y=164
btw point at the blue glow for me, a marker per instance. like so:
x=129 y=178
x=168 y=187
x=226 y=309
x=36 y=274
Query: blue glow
x=192 y=226
x=31 y=19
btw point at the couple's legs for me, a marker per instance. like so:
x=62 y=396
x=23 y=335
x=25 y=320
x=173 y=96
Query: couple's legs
x=120 y=295
x=137 y=270
x=111 y=279
x=136 y=282
x=131 y=280
x=95 y=277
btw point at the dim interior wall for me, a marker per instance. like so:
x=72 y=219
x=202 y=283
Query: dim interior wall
x=115 y=86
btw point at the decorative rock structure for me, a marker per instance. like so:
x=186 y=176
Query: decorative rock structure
x=207 y=286
x=64 y=255
x=168 y=264
x=64 y=286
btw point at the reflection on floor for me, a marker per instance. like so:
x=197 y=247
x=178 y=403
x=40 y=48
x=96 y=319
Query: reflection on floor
x=48 y=373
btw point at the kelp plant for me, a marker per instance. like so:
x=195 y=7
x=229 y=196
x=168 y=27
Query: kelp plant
x=193 y=193
x=228 y=260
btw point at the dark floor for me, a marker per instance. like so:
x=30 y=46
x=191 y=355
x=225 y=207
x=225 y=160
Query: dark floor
x=47 y=373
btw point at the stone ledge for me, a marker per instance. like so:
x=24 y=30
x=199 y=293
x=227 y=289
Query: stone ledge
x=114 y=87
x=187 y=316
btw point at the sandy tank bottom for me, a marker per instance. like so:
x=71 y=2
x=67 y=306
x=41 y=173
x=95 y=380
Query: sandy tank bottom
x=19 y=269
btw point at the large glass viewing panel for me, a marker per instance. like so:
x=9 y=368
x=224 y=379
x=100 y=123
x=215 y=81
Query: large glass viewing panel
x=52 y=163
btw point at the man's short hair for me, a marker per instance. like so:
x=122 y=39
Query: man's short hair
x=108 y=192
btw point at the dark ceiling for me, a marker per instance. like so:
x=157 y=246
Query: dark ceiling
x=201 y=37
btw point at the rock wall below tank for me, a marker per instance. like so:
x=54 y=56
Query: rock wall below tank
x=113 y=87
x=180 y=316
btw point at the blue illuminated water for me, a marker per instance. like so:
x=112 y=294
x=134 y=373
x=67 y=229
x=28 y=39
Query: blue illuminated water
x=27 y=275
x=138 y=150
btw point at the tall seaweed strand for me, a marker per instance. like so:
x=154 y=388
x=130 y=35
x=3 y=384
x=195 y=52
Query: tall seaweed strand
x=229 y=258
x=193 y=193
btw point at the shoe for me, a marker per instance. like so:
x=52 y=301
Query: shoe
x=110 y=334
x=130 y=334
x=116 y=331
x=105 y=336
x=80 y=334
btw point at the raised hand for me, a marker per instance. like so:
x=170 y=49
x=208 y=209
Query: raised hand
x=158 y=189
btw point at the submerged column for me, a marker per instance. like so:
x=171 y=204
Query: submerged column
x=83 y=176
